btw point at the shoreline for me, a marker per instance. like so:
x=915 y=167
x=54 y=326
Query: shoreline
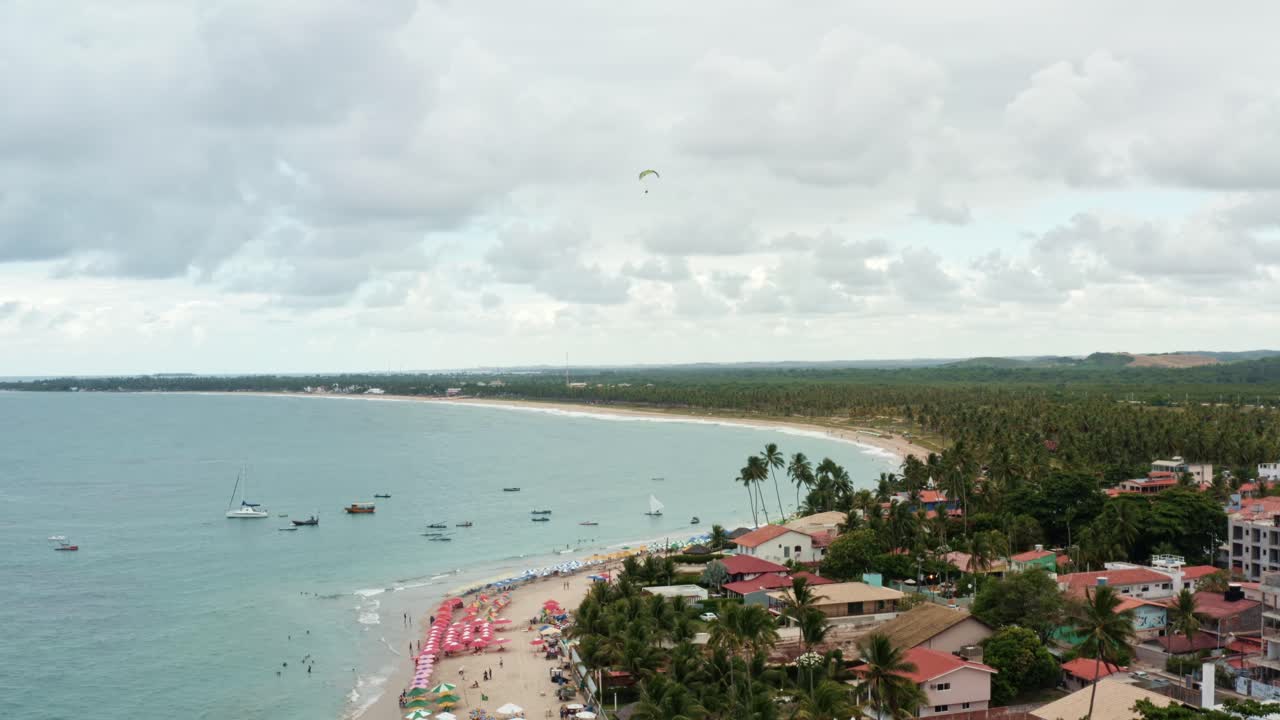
x=897 y=447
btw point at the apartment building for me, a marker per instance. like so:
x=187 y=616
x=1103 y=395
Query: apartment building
x=1253 y=537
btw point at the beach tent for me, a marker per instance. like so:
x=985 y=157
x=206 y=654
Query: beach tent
x=510 y=710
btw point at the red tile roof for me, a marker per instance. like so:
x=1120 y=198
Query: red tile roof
x=932 y=496
x=1088 y=668
x=932 y=664
x=1177 y=644
x=1077 y=583
x=1127 y=603
x=745 y=564
x=812 y=579
x=1062 y=561
x=764 y=582
x=1214 y=605
x=1195 y=572
x=1030 y=555
x=763 y=535
x=1269 y=506
x=823 y=539
x=1246 y=645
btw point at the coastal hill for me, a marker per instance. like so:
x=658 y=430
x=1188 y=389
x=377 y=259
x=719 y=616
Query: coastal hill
x=1181 y=359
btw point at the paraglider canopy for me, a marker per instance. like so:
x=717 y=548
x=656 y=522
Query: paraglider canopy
x=646 y=173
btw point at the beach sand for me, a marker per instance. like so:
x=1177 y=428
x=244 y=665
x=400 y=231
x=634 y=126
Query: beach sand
x=896 y=445
x=523 y=677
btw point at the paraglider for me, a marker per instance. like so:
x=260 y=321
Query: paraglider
x=646 y=173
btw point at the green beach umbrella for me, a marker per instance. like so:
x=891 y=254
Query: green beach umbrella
x=418 y=715
x=447 y=699
x=418 y=704
x=418 y=691
x=443 y=688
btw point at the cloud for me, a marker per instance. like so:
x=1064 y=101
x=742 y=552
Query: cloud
x=933 y=206
x=917 y=276
x=1238 y=148
x=702 y=234
x=550 y=261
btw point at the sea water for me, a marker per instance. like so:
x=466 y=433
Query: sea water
x=170 y=609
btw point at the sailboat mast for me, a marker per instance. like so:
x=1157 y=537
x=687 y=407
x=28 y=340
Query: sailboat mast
x=233 y=492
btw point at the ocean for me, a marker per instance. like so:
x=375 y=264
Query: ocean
x=171 y=609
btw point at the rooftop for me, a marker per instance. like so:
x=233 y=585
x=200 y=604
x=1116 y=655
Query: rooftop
x=776 y=582
x=818 y=521
x=1195 y=572
x=1077 y=583
x=1214 y=605
x=1263 y=508
x=1177 y=644
x=1115 y=701
x=745 y=564
x=1088 y=668
x=922 y=622
x=763 y=535
x=851 y=592
x=1031 y=555
x=932 y=664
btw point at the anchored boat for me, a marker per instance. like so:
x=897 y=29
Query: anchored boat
x=360 y=508
x=60 y=543
x=655 y=507
x=247 y=510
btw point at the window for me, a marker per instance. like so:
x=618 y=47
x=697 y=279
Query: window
x=1164 y=586
x=940 y=708
x=942 y=686
x=797 y=551
x=964 y=706
x=1146 y=588
x=786 y=552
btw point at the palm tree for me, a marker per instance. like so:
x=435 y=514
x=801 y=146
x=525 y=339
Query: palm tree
x=814 y=628
x=799 y=599
x=719 y=537
x=981 y=554
x=801 y=473
x=1186 y=620
x=1104 y=630
x=747 y=482
x=892 y=693
x=829 y=699
x=758 y=470
x=775 y=460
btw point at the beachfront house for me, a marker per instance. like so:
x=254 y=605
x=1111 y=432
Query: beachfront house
x=851 y=602
x=1079 y=673
x=1128 y=580
x=935 y=627
x=951 y=684
x=779 y=544
x=756 y=591
x=746 y=567
x=1046 y=560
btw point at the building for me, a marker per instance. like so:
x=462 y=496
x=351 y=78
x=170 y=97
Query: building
x=1201 y=473
x=963 y=562
x=1154 y=482
x=936 y=628
x=1115 y=701
x=745 y=567
x=1046 y=560
x=756 y=591
x=951 y=684
x=1079 y=673
x=1253 y=537
x=1128 y=580
x=823 y=522
x=1150 y=617
x=689 y=592
x=1225 y=614
x=778 y=543
x=850 y=600
x=1269 y=471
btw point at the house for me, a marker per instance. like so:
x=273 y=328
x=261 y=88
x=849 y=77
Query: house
x=1129 y=580
x=778 y=543
x=452 y=392
x=1079 y=673
x=850 y=600
x=950 y=684
x=1269 y=471
x=1115 y=701
x=1201 y=473
x=963 y=562
x=689 y=592
x=1150 y=617
x=1224 y=614
x=1193 y=574
x=756 y=591
x=936 y=628
x=1046 y=560
x=745 y=567
x=1154 y=482
x=931 y=501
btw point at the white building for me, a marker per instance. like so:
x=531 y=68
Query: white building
x=778 y=543
x=1201 y=472
x=1269 y=471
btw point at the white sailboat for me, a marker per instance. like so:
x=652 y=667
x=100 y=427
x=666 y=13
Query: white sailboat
x=247 y=510
x=655 y=507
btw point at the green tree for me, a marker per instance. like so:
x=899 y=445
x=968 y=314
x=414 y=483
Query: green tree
x=800 y=470
x=1189 y=520
x=826 y=700
x=852 y=554
x=1030 y=599
x=758 y=471
x=1106 y=632
x=799 y=598
x=1184 y=616
x=891 y=692
x=719 y=537
x=1025 y=664
x=814 y=628
x=1216 y=581
x=715 y=575
x=775 y=460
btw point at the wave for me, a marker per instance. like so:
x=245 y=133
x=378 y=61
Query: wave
x=367 y=691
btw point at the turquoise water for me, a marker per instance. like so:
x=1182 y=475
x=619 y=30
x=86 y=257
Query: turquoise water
x=170 y=609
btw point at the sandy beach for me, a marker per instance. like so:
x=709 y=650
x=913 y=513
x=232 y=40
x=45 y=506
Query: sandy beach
x=520 y=676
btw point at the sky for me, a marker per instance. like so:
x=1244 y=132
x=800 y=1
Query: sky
x=325 y=185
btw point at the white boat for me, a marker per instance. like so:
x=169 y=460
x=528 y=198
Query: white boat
x=655 y=507
x=247 y=510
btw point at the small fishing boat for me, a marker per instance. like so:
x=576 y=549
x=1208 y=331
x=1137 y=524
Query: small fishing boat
x=381 y=495
x=655 y=507
x=539 y=512
x=588 y=522
x=291 y=528
x=467 y=523
x=510 y=489
x=442 y=538
x=437 y=525
x=657 y=479
x=694 y=520
x=360 y=508
x=60 y=543
x=541 y=518
x=313 y=520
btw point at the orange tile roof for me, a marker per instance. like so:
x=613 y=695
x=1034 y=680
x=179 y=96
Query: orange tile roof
x=764 y=535
x=931 y=664
x=1088 y=668
x=1030 y=555
x=745 y=564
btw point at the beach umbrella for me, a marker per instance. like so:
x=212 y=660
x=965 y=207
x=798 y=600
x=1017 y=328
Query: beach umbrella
x=479 y=642
x=501 y=641
x=502 y=621
x=537 y=641
x=585 y=715
x=416 y=692
x=551 y=631
x=418 y=715
x=509 y=709
x=574 y=706
x=417 y=704
x=443 y=688
x=446 y=716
